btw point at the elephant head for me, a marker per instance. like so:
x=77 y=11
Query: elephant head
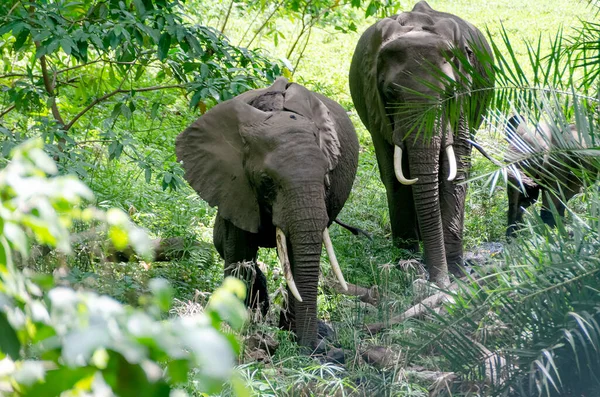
x=407 y=68
x=268 y=160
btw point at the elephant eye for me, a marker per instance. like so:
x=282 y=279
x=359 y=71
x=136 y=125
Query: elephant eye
x=266 y=187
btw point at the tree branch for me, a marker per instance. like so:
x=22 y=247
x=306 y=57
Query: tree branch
x=7 y=110
x=227 y=17
x=49 y=85
x=8 y=75
x=113 y=93
x=264 y=23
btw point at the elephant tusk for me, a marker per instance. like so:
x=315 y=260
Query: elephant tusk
x=451 y=162
x=285 y=263
x=398 y=168
x=333 y=260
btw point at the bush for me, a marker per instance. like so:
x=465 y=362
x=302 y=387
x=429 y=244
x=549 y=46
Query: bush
x=58 y=341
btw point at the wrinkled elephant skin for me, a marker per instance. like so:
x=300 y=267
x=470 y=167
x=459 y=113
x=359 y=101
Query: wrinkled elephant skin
x=278 y=161
x=531 y=150
x=403 y=66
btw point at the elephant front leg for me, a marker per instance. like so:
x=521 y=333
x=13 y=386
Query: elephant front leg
x=239 y=249
x=518 y=201
x=401 y=205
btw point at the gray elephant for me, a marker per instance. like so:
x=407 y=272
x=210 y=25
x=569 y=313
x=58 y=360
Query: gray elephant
x=402 y=65
x=279 y=164
x=530 y=149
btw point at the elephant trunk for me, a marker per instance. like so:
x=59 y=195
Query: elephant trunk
x=305 y=220
x=424 y=161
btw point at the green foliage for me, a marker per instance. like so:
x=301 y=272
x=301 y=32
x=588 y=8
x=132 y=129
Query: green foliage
x=54 y=339
x=529 y=325
x=106 y=63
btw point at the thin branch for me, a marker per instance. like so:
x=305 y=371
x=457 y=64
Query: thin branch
x=227 y=17
x=96 y=61
x=113 y=93
x=303 y=49
x=264 y=23
x=49 y=85
x=7 y=110
x=13 y=8
x=81 y=143
x=9 y=75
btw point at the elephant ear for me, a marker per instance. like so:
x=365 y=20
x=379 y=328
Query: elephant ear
x=300 y=100
x=364 y=82
x=211 y=153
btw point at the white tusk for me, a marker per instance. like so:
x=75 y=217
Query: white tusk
x=451 y=162
x=333 y=260
x=398 y=167
x=285 y=263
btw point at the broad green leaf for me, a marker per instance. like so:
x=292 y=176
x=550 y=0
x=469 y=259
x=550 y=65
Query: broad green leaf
x=162 y=292
x=163 y=45
x=60 y=380
x=9 y=342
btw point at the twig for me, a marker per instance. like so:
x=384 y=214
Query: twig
x=115 y=92
x=264 y=23
x=303 y=49
x=227 y=17
x=7 y=110
x=8 y=75
x=49 y=87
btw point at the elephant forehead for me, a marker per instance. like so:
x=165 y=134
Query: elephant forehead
x=282 y=123
x=416 y=25
x=417 y=40
x=416 y=19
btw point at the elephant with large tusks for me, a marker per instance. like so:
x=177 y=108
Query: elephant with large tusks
x=403 y=65
x=279 y=164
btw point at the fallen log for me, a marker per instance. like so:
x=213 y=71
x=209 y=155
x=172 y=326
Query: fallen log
x=434 y=302
x=366 y=295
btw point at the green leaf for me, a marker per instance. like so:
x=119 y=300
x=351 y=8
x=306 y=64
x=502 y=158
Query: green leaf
x=60 y=380
x=178 y=371
x=371 y=9
x=20 y=40
x=162 y=292
x=9 y=342
x=67 y=45
x=154 y=111
x=163 y=45
x=16 y=236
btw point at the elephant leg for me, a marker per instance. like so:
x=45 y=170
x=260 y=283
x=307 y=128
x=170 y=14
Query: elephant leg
x=452 y=203
x=518 y=201
x=557 y=202
x=403 y=219
x=238 y=249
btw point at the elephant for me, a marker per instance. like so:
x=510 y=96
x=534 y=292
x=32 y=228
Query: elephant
x=402 y=65
x=279 y=164
x=538 y=171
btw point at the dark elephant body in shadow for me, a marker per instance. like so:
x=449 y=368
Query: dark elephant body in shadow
x=412 y=60
x=536 y=153
x=283 y=159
